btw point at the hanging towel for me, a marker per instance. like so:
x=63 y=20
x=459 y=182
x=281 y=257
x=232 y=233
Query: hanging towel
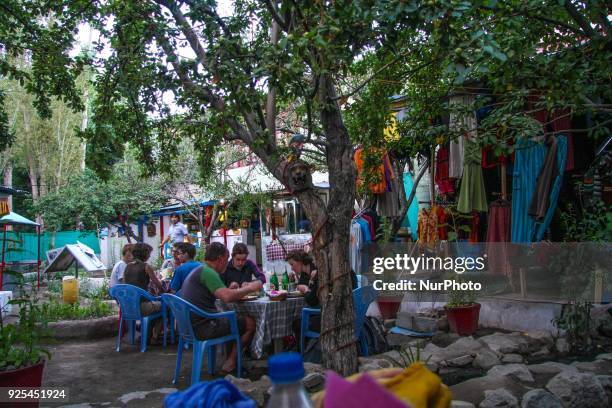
x=459 y=122
x=445 y=185
x=528 y=161
x=412 y=216
x=472 y=196
x=562 y=151
x=548 y=174
x=498 y=235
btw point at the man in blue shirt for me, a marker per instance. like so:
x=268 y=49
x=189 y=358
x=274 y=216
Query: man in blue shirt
x=185 y=253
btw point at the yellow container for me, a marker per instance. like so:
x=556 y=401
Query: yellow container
x=70 y=289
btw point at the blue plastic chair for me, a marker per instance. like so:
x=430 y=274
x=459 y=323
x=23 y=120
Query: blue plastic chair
x=362 y=297
x=182 y=311
x=128 y=297
x=170 y=321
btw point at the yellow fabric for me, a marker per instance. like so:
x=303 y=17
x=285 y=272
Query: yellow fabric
x=420 y=387
x=390 y=133
x=416 y=385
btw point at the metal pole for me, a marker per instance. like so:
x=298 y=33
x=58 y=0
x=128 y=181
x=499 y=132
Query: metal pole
x=3 y=247
x=38 y=255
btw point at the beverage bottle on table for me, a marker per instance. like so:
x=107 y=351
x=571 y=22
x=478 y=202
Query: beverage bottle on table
x=274 y=281
x=285 y=281
x=286 y=371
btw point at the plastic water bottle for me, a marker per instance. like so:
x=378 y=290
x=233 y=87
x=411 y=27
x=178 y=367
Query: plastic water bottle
x=286 y=371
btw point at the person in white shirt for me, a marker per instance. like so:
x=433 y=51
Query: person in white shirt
x=119 y=268
x=177 y=232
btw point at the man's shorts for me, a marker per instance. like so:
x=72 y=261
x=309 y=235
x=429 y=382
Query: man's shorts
x=213 y=328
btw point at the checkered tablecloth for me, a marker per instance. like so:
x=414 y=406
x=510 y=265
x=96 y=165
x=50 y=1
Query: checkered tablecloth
x=273 y=319
x=274 y=252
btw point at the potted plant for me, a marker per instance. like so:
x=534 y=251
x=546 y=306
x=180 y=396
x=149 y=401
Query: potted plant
x=22 y=359
x=462 y=311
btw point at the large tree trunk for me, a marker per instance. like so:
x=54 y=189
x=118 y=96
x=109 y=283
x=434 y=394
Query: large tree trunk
x=8 y=181
x=331 y=235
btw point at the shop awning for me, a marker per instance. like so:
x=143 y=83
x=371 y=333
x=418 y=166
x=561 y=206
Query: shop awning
x=16 y=219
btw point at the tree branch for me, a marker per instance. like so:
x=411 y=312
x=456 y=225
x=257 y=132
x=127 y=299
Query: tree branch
x=276 y=17
x=579 y=18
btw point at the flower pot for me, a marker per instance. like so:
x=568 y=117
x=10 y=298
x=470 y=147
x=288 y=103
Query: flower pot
x=463 y=320
x=30 y=376
x=388 y=307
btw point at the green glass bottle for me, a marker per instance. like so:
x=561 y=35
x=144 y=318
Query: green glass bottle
x=286 y=281
x=274 y=281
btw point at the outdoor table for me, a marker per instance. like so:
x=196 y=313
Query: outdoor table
x=273 y=319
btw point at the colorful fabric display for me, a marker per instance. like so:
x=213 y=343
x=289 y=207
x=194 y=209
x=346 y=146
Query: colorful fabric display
x=528 y=161
x=472 y=196
x=562 y=151
x=445 y=184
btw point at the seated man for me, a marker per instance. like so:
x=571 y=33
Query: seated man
x=185 y=253
x=240 y=269
x=203 y=286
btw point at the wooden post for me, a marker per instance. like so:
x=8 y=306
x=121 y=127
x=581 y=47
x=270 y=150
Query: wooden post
x=523 y=282
x=599 y=286
x=504 y=188
x=3 y=248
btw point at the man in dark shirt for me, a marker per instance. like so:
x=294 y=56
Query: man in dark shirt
x=203 y=286
x=240 y=269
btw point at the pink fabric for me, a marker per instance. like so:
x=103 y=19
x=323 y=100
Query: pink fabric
x=363 y=393
x=275 y=252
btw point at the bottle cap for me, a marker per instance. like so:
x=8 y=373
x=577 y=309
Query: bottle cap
x=285 y=368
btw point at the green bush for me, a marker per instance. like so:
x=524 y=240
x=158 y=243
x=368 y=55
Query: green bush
x=56 y=310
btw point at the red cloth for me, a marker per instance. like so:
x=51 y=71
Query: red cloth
x=371 y=225
x=498 y=237
x=445 y=185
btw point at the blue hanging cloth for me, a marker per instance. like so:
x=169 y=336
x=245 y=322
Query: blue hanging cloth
x=528 y=161
x=556 y=188
x=412 y=215
x=209 y=394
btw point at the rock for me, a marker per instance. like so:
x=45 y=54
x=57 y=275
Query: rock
x=605 y=329
x=512 y=358
x=486 y=359
x=540 y=398
x=444 y=339
x=380 y=362
x=461 y=404
x=562 y=346
x=607 y=356
x=84 y=329
x=460 y=361
x=473 y=389
x=506 y=343
x=595 y=367
x=578 y=390
x=544 y=338
x=254 y=390
x=499 y=398
x=550 y=368
x=543 y=352
x=312 y=367
x=606 y=383
x=517 y=371
x=313 y=381
x=465 y=346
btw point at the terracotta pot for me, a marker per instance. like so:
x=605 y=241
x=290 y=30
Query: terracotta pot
x=30 y=376
x=463 y=320
x=388 y=307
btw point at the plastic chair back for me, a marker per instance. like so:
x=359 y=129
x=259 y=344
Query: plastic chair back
x=362 y=297
x=128 y=297
x=182 y=309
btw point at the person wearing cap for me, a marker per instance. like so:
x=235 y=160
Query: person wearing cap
x=204 y=286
